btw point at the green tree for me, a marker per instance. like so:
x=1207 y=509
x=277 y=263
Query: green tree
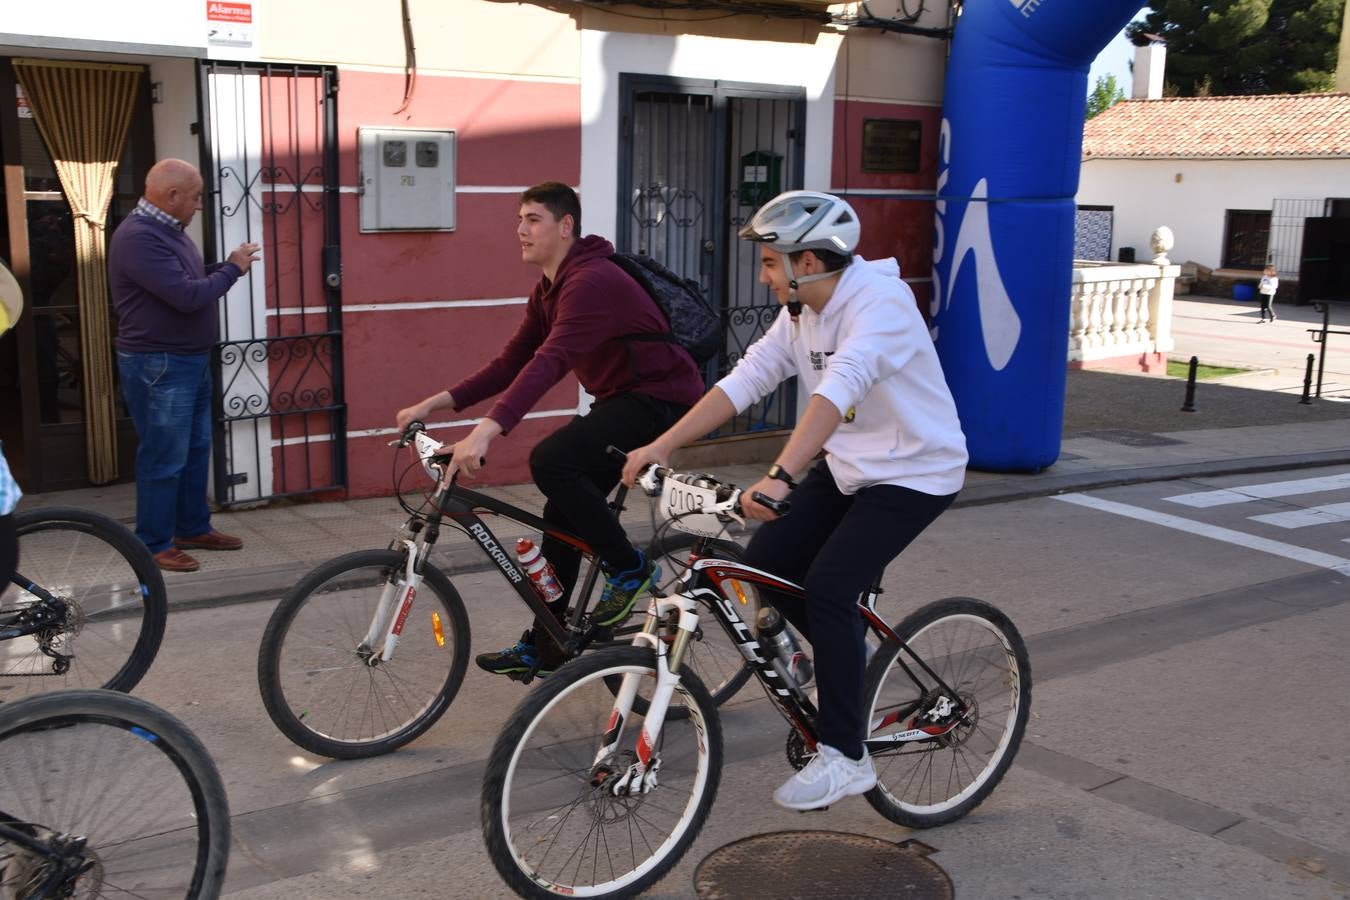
x=1104 y=95
x=1245 y=46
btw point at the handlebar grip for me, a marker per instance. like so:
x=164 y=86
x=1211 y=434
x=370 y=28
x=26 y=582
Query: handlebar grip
x=781 y=507
x=411 y=430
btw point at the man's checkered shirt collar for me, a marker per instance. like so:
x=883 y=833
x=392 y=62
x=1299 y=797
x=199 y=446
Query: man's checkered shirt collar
x=145 y=208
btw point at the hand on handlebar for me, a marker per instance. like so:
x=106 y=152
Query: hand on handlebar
x=769 y=487
x=640 y=459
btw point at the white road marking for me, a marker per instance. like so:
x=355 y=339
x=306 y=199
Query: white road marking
x=1214 y=532
x=1302 y=518
x=1203 y=499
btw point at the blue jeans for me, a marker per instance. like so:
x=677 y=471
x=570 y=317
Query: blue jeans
x=169 y=396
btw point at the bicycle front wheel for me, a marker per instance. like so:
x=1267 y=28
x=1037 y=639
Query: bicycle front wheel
x=329 y=692
x=110 y=594
x=553 y=825
x=978 y=654
x=120 y=775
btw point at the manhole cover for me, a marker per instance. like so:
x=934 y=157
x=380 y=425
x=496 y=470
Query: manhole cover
x=806 y=865
x=1128 y=438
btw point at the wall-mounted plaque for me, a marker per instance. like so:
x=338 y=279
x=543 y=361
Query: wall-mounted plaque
x=891 y=145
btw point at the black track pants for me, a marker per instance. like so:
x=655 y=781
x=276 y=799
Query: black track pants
x=576 y=476
x=836 y=545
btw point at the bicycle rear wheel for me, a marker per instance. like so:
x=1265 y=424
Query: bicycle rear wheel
x=550 y=830
x=114 y=599
x=978 y=653
x=124 y=775
x=334 y=697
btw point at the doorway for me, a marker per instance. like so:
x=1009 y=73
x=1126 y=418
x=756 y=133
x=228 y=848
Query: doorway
x=41 y=360
x=697 y=158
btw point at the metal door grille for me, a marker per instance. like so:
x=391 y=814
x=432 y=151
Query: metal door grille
x=683 y=195
x=271 y=177
x=1286 y=233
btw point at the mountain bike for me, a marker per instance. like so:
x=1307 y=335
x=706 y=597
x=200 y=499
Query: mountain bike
x=104 y=794
x=347 y=670
x=86 y=607
x=588 y=795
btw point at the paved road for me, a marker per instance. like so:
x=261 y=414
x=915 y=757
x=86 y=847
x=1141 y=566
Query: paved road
x=1187 y=650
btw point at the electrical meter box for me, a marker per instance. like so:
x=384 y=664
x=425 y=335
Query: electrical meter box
x=407 y=179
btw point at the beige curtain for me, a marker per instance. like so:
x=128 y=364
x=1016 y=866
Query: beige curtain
x=83 y=111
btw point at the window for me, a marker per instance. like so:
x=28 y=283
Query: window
x=1246 y=238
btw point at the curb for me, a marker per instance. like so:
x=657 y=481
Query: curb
x=231 y=587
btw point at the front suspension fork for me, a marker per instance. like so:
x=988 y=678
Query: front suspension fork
x=641 y=775
x=396 y=601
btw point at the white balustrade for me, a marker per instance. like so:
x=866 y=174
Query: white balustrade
x=1120 y=310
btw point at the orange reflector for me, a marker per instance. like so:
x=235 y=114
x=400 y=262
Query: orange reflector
x=740 y=592
x=436 y=627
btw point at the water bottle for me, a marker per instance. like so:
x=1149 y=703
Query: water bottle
x=789 y=661
x=539 y=569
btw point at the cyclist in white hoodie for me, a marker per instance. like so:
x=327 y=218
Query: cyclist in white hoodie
x=894 y=456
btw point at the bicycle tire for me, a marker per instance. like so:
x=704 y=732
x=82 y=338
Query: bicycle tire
x=72 y=762
x=107 y=577
x=295 y=683
x=1002 y=705
x=580 y=683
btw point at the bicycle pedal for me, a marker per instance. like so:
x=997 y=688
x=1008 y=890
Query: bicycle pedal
x=818 y=809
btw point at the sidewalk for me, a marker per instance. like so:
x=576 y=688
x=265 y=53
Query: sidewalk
x=1119 y=429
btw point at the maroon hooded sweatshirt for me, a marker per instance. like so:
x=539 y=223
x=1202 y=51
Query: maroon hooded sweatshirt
x=574 y=324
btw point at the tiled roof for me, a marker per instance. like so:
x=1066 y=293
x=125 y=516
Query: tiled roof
x=1255 y=127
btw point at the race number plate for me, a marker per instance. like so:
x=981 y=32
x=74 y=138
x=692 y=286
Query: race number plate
x=683 y=504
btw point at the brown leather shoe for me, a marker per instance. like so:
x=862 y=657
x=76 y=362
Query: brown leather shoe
x=175 y=560
x=212 y=540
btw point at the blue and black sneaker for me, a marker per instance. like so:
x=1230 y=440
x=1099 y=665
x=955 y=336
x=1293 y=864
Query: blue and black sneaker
x=517 y=659
x=621 y=592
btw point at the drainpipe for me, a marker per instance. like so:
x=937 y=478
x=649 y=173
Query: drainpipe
x=1009 y=154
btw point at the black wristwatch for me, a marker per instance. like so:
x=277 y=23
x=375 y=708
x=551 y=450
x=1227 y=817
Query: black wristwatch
x=781 y=474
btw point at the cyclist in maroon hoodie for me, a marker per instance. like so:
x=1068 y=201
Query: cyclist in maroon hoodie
x=577 y=319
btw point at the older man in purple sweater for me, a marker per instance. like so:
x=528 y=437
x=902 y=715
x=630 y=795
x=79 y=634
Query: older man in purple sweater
x=165 y=300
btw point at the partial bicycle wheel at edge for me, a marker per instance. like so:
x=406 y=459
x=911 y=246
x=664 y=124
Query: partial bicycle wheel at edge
x=552 y=826
x=125 y=776
x=334 y=697
x=978 y=653
x=112 y=596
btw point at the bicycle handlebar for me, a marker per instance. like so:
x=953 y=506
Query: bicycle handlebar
x=652 y=486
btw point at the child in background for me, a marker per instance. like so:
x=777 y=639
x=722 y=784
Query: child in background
x=1270 y=283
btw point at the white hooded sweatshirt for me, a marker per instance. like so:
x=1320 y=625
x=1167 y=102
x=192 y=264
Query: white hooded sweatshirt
x=869 y=353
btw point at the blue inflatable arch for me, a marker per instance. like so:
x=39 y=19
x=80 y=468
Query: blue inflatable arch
x=1009 y=154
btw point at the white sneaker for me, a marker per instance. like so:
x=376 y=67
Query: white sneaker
x=827 y=779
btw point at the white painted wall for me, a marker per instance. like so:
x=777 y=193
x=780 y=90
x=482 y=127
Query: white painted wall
x=1146 y=193
x=606 y=54
x=173 y=116
x=145 y=23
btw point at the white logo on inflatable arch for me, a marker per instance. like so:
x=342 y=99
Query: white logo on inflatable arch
x=1000 y=325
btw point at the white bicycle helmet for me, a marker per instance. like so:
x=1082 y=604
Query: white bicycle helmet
x=11 y=300
x=804 y=220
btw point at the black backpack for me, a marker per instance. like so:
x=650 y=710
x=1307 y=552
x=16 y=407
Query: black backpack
x=693 y=324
